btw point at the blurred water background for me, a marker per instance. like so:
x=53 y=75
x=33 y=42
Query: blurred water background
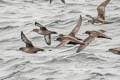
x=93 y=63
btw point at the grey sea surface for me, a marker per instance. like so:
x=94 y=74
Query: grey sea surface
x=93 y=63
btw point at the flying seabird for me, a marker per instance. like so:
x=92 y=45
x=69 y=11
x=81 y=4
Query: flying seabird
x=70 y=38
x=91 y=37
x=101 y=14
x=63 y=1
x=44 y=31
x=72 y=33
x=29 y=46
x=99 y=33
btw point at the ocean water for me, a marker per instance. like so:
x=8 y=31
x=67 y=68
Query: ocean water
x=93 y=63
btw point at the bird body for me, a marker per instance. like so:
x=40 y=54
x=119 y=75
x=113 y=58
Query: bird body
x=101 y=14
x=115 y=50
x=86 y=42
x=30 y=48
x=44 y=31
x=68 y=39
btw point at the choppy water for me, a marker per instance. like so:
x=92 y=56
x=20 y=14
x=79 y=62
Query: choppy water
x=93 y=63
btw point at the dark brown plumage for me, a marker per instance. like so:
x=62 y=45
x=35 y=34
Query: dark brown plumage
x=29 y=46
x=86 y=42
x=44 y=31
x=72 y=33
x=77 y=27
x=101 y=14
x=67 y=39
x=91 y=37
x=70 y=38
x=99 y=33
x=101 y=9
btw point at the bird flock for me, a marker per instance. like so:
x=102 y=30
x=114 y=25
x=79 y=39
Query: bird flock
x=71 y=37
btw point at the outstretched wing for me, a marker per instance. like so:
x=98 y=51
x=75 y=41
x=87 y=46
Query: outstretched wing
x=41 y=26
x=62 y=43
x=107 y=22
x=47 y=39
x=51 y=1
x=77 y=27
x=87 y=41
x=91 y=17
x=101 y=35
x=103 y=21
x=104 y=4
x=25 y=40
x=101 y=9
x=73 y=39
x=63 y=1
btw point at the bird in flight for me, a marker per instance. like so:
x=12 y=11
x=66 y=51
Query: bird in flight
x=30 y=48
x=44 y=31
x=101 y=14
